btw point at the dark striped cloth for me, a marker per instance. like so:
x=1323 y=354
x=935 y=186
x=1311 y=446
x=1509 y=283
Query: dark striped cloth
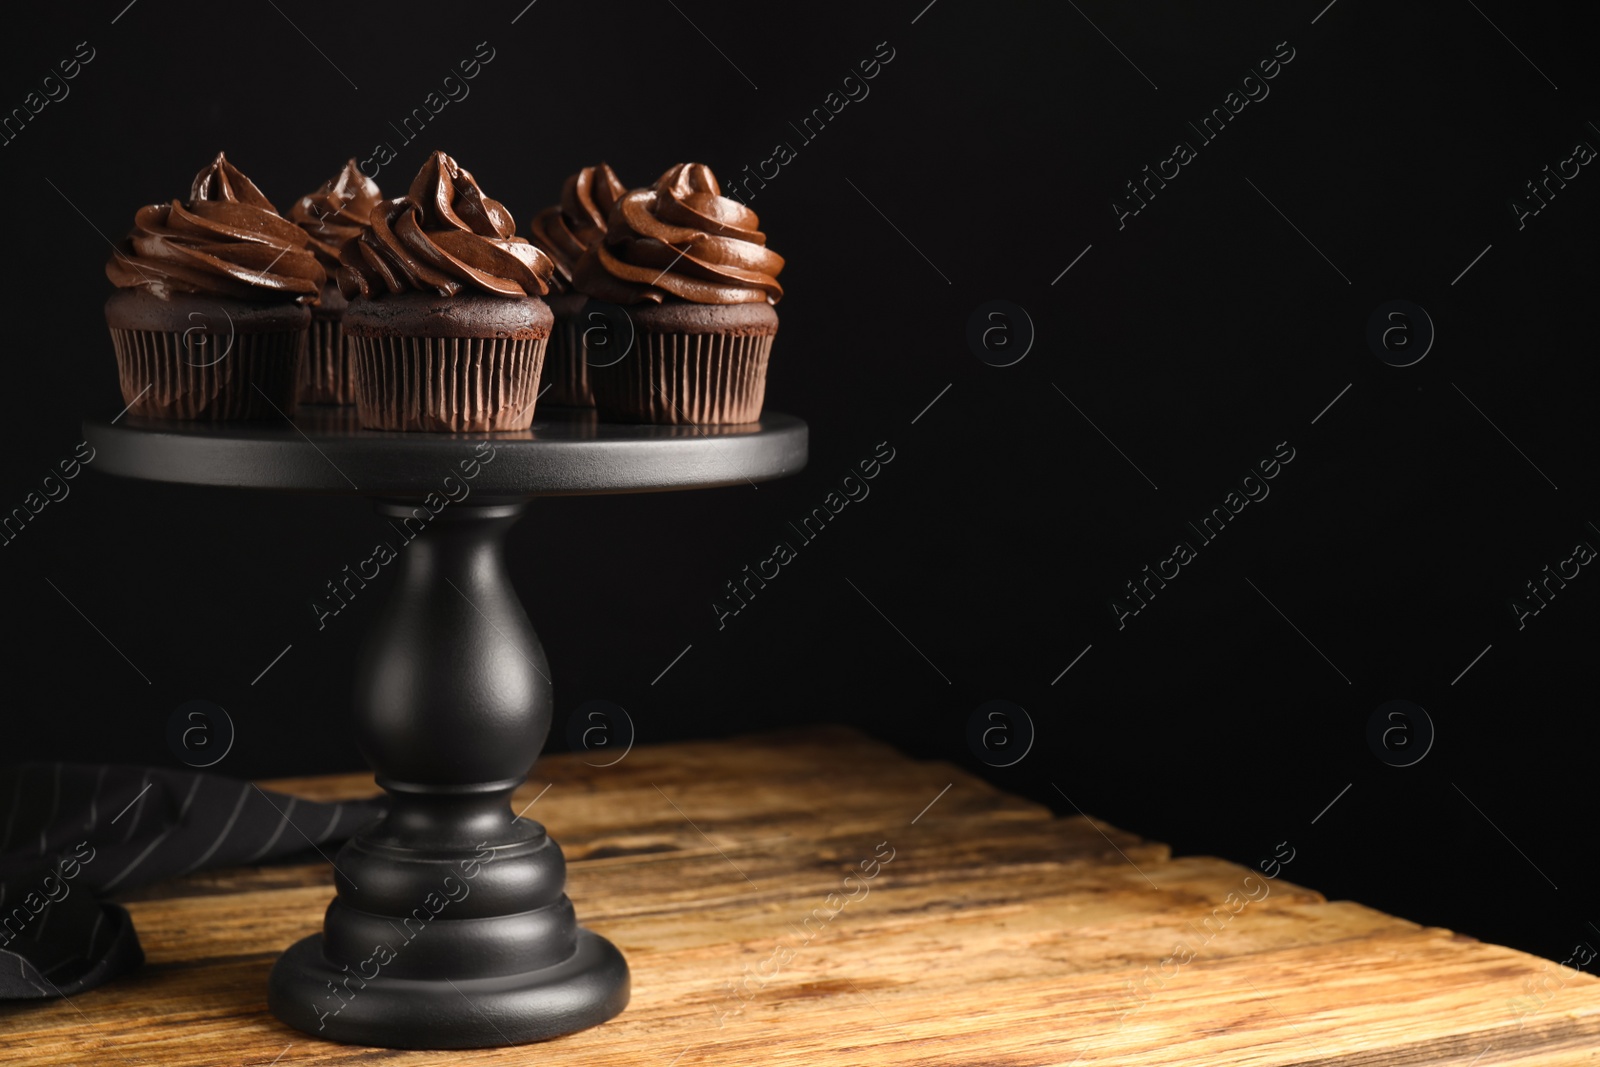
x=72 y=834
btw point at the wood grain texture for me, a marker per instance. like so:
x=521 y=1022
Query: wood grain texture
x=996 y=935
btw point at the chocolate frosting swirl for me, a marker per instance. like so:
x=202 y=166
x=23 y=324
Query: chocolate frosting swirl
x=681 y=238
x=226 y=240
x=565 y=230
x=444 y=235
x=335 y=212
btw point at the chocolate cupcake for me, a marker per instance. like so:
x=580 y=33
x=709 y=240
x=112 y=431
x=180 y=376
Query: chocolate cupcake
x=564 y=232
x=445 y=322
x=210 y=310
x=700 y=281
x=332 y=215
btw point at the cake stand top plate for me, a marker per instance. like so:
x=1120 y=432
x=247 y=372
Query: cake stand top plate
x=565 y=452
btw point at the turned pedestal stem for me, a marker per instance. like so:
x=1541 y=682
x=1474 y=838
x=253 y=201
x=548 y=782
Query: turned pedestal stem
x=450 y=893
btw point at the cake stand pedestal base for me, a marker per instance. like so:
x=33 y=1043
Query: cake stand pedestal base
x=582 y=991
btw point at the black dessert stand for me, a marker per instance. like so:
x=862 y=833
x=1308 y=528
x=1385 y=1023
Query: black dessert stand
x=451 y=927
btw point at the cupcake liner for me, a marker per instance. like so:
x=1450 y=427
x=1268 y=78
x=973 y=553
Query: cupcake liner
x=163 y=378
x=692 y=378
x=446 y=384
x=327 y=373
x=566 y=372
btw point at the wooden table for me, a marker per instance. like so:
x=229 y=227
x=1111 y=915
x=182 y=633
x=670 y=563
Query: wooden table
x=976 y=929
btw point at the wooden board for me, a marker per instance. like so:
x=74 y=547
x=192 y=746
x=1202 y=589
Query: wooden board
x=997 y=935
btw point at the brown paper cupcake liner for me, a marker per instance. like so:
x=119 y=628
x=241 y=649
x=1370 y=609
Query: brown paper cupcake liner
x=694 y=378
x=163 y=378
x=446 y=384
x=327 y=373
x=566 y=372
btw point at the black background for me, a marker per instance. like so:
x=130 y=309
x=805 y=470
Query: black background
x=984 y=160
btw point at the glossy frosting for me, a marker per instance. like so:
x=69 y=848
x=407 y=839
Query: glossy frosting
x=225 y=240
x=566 y=230
x=681 y=238
x=337 y=211
x=444 y=235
